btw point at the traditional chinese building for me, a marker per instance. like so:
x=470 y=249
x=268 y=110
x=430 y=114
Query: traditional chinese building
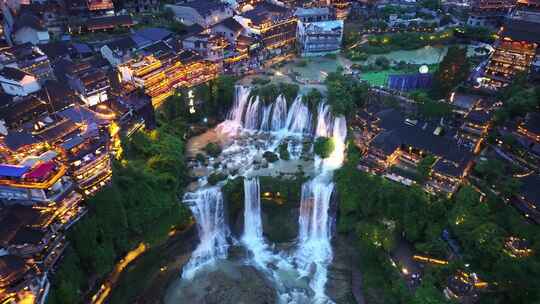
x=516 y=48
x=401 y=144
x=162 y=73
x=320 y=38
x=276 y=26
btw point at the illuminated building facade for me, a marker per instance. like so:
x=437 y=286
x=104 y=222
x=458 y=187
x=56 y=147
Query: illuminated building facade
x=90 y=83
x=489 y=13
x=276 y=26
x=320 y=38
x=517 y=47
x=89 y=162
x=161 y=74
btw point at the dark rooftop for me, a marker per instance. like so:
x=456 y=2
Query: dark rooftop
x=16 y=140
x=23 y=109
x=122 y=44
x=530 y=188
x=398 y=133
x=265 y=12
x=479 y=117
x=532 y=122
x=27 y=235
x=109 y=21
x=232 y=24
x=55 y=50
x=205 y=7
x=28 y=20
x=522 y=30
x=13 y=73
x=154 y=34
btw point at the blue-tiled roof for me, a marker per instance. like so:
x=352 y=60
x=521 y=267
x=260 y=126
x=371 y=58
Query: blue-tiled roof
x=153 y=34
x=12 y=171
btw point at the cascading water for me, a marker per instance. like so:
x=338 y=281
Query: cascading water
x=299 y=117
x=265 y=122
x=314 y=246
x=240 y=101
x=313 y=253
x=252 y=115
x=279 y=114
x=207 y=208
x=324 y=120
x=253 y=230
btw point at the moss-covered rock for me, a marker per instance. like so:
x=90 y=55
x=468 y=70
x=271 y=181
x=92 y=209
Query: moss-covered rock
x=270 y=156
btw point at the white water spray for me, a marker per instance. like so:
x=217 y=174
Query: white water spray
x=252 y=114
x=299 y=117
x=207 y=208
x=279 y=114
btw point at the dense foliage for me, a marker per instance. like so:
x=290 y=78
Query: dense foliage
x=283 y=150
x=379 y=212
x=269 y=92
x=453 y=70
x=139 y=206
x=345 y=94
x=519 y=98
x=216 y=95
x=270 y=156
x=212 y=149
x=324 y=146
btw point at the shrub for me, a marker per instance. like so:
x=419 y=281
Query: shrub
x=270 y=156
x=284 y=151
x=324 y=146
x=212 y=149
x=216 y=177
x=200 y=157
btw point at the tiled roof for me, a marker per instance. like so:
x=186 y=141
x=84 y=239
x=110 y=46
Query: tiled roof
x=231 y=24
x=522 y=30
x=205 y=7
x=28 y=20
x=13 y=73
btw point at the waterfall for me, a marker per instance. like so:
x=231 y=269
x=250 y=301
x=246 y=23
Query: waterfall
x=279 y=114
x=314 y=224
x=253 y=230
x=240 y=100
x=314 y=237
x=265 y=123
x=314 y=247
x=324 y=121
x=252 y=114
x=339 y=136
x=299 y=117
x=207 y=208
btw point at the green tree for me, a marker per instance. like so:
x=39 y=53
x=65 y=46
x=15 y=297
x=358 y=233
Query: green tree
x=453 y=69
x=324 y=146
